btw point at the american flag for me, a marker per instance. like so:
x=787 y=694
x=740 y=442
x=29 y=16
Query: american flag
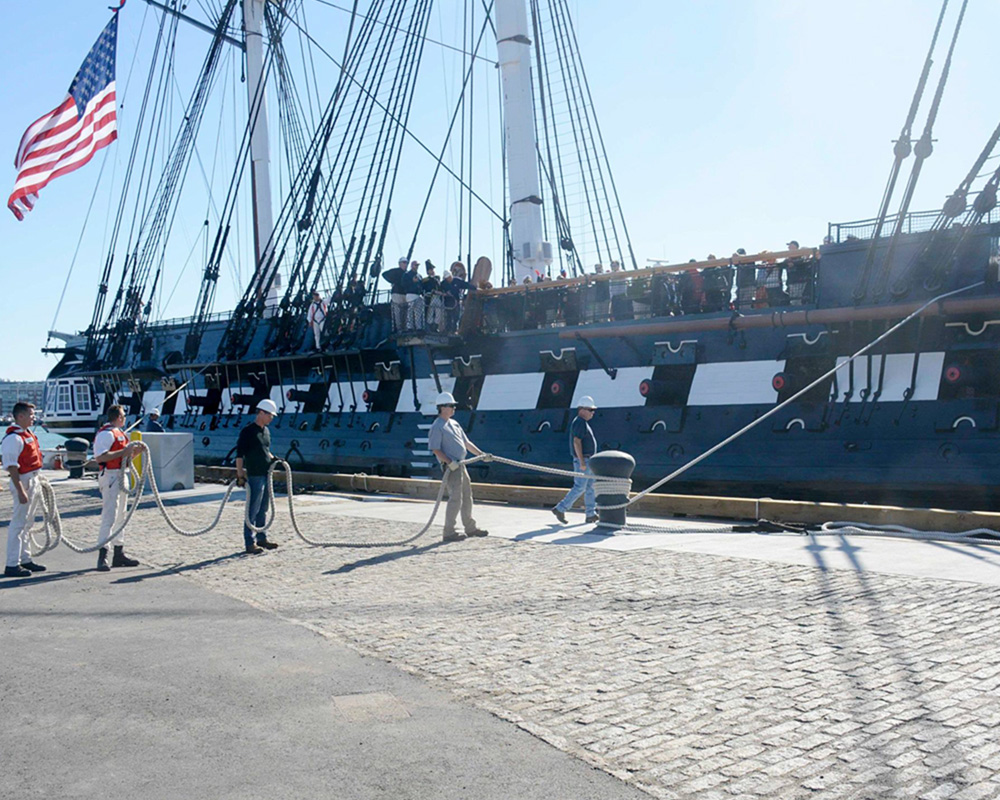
x=66 y=138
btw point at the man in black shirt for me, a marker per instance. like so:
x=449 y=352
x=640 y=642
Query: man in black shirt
x=582 y=445
x=253 y=458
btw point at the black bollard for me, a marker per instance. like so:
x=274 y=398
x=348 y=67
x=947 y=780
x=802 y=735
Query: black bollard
x=76 y=456
x=612 y=464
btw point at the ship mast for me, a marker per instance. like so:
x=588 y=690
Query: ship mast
x=531 y=252
x=260 y=155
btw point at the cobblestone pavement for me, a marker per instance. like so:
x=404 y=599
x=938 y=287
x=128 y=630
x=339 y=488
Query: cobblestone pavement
x=688 y=675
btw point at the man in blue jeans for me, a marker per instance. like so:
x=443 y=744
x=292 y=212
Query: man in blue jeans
x=253 y=458
x=582 y=445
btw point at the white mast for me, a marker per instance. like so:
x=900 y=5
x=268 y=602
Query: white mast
x=514 y=51
x=260 y=152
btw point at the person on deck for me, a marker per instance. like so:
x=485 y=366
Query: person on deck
x=398 y=299
x=317 y=317
x=414 y=288
x=113 y=451
x=253 y=459
x=22 y=461
x=434 y=298
x=582 y=445
x=448 y=441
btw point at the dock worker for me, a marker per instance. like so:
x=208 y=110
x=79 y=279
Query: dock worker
x=253 y=459
x=317 y=317
x=22 y=460
x=582 y=445
x=112 y=452
x=448 y=441
x=153 y=422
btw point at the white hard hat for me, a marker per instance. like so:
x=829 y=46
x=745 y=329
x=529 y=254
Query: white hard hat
x=404 y=260
x=445 y=399
x=268 y=406
x=155 y=412
x=587 y=402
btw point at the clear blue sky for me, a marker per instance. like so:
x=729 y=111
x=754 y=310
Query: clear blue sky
x=729 y=123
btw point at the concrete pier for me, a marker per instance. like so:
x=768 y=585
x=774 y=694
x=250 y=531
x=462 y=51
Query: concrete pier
x=686 y=663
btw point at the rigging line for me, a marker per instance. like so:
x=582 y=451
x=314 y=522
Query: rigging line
x=587 y=130
x=922 y=151
x=79 y=241
x=426 y=38
x=901 y=150
x=360 y=114
x=440 y=162
x=312 y=66
x=472 y=139
x=954 y=205
x=572 y=100
x=594 y=124
x=461 y=134
x=412 y=77
x=375 y=173
x=106 y=274
x=600 y=137
x=425 y=148
x=543 y=103
x=287 y=217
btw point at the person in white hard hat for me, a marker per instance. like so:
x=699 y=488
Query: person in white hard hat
x=253 y=458
x=447 y=440
x=582 y=445
x=153 y=422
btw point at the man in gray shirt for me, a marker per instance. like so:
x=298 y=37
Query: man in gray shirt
x=449 y=443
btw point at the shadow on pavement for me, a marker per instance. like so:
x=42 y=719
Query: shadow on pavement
x=177 y=569
x=43 y=577
x=385 y=558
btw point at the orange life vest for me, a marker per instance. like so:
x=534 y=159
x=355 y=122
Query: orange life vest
x=30 y=459
x=120 y=443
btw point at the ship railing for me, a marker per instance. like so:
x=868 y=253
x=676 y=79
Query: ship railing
x=740 y=284
x=914 y=222
x=186 y=321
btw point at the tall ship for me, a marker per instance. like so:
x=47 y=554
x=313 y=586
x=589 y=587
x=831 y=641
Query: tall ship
x=544 y=301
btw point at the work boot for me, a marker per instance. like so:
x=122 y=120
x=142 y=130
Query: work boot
x=453 y=537
x=253 y=549
x=15 y=572
x=559 y=515
x=102 y=560
x=267 y=545
x=591 y=519
x=31 y=566
x=122 y=560
x=477 y=532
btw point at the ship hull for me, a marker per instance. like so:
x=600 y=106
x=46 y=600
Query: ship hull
x=914 y=420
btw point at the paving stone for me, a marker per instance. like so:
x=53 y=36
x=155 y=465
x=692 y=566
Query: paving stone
x=689 y=675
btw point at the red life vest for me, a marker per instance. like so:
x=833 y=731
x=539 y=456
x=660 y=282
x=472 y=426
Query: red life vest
x=120 y=443
x=30 y=459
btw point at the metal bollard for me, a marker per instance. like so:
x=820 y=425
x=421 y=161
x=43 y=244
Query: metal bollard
x=612 y=464
x=76 y=456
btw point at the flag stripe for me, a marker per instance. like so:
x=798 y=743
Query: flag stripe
x=43 y=158
x=52 y=138
x=65 y=111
